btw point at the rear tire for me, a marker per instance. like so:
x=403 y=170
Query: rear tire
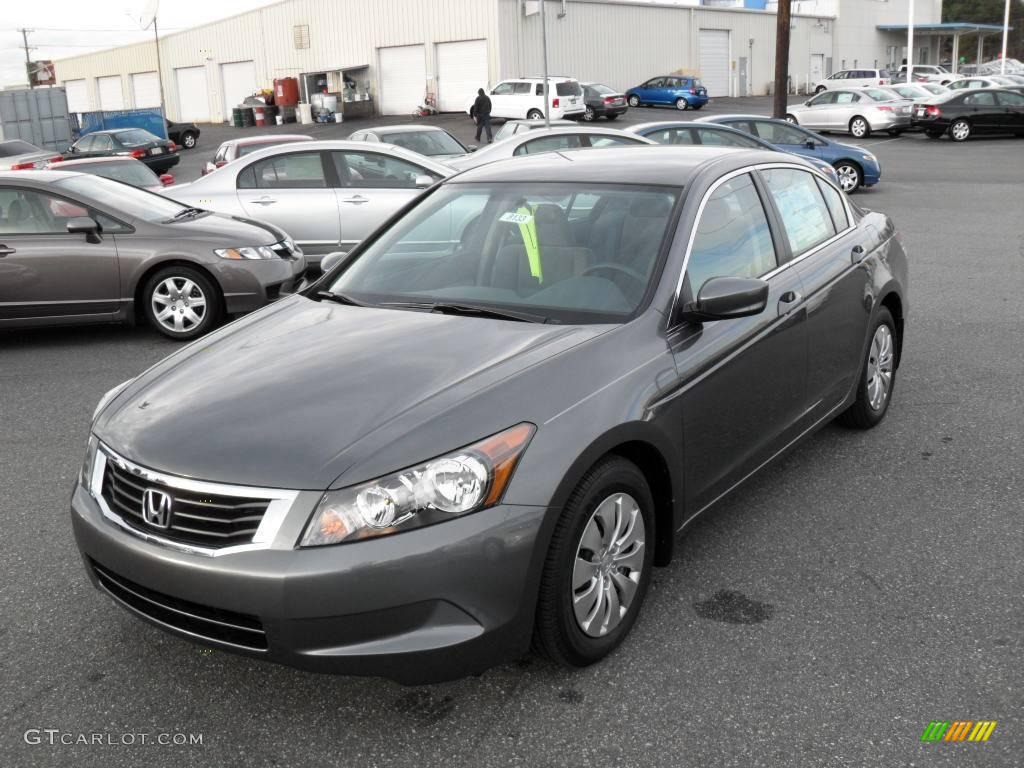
x=589 y=115
x=682 y=105
x=598 y=565
x=894 y=132
x=181 y=303
x=960 y=130
x=188 y=139
x=877 y=377
x=611 y=117
x=860 y=128
x=634 y=101
x=534 y=114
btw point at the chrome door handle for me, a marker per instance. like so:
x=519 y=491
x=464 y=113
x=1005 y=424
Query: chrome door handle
x=355 y=200
x=4 y=250
x=264 y=200
x=857 y=253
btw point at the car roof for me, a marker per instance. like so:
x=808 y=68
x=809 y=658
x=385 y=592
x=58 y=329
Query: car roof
x=660 y=165
x=540 y=121
x=737 y=116
x=99 y=160
x=269 y=138
x=328 y=144
x=38 y=178
x=383 y=130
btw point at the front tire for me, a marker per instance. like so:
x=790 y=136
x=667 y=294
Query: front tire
x=598 y=565
x=534 y=114
x=820 y=88
x=611 y=117
x=934 y=134
x=682 y=104
x=877 y=377
x=851 y=177
x=188 y=139
x=181 y=302
x=792 y=119
x=894 y=132
x=960 y=130
x=860 y=128
x=634 y=101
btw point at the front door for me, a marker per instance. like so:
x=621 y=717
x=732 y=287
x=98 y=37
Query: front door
x=503 y=100
x=985 y=115
x=742 y=380
x=44 y=270
x=787 y=137
x=1012 y=107
x=371 y=187
x=291 y=191
x=816 y=115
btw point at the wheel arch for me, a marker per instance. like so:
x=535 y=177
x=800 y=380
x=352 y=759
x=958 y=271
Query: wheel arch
x=892 y=301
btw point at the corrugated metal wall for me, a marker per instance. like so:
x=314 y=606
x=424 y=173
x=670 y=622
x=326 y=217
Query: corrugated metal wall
x=624 y=44
x=341 y=34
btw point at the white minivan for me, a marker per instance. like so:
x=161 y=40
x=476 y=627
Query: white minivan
x=854 y=78
x=523 y=97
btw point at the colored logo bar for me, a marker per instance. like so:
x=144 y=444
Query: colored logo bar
x=958 y=730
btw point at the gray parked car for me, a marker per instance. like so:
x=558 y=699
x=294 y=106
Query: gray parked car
x=328 y=195
x=428 y=140
x=856 y=111
x=463 y=445
x=548 y=140
x=77 y=248
x=18 y=155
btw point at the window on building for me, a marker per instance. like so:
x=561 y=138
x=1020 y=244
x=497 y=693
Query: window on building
x=300 y=34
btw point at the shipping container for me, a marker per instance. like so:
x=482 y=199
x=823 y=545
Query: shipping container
x=38 y=116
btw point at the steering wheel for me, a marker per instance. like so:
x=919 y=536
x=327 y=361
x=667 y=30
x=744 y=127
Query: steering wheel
x=619 y=271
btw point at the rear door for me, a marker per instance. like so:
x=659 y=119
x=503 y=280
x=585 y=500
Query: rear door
x=44 y=270
x=371 y=187
x=1012 y=105
x=291 y=190
x=985 y=115
x=843 y=110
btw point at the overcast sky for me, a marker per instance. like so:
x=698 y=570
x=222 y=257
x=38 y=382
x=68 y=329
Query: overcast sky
x=69 y=27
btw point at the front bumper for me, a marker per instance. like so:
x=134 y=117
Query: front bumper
x=417 y=607
x=249 y=285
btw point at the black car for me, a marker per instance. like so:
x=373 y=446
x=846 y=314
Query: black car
x=159 y=154
x=183 y=134
x=964 y=114
x=603 y=101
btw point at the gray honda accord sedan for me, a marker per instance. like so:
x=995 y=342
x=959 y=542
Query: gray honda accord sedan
x=487 y=424
x=77 y=248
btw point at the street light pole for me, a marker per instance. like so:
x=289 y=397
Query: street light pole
x=1006 y=32
x=544 y=44
x=159 y=69
x=910 y=42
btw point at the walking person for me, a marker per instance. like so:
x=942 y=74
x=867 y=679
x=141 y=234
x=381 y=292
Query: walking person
x=481 y=114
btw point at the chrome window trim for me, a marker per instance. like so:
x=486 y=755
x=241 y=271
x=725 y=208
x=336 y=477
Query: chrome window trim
x=281 y=502
x=782 y=267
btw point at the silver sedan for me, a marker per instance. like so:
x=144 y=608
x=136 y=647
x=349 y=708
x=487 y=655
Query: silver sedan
x=328 y=195
x=548 y=140
x=857 y=111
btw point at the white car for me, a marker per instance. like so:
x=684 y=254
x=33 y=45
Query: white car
x=976 y=81
x=926 y=73
x=524 y=97
x=328 y=195
x=548 y=140
x=853 y=78
x=856 y=111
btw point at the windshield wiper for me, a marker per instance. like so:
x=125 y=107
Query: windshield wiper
x=471 y=310
x=341 y=298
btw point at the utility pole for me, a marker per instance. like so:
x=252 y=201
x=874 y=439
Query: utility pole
x=28 y=59
x=159 y=68
x=544 y=44
x=781 y=60
x=1006 y=33
x=910 y=42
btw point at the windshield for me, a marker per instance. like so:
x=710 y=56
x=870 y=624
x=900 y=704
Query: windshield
x=574 y=253
x=134 y=173
x=121 y=199
x=880 y=95
x=136 y=137
x=15 y=147
x=425 y=142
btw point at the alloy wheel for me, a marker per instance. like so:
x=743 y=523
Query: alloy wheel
x=179 y=304
x=634 y=101
x=188 y=140
x=880 y=367
x=960 y=130
x=588 y=114
x=608 y=565
x=859 y=127
x=682 y=104
x=849 y=179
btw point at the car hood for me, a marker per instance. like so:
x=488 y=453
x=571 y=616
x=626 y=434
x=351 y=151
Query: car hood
x=233 y=231
x=292 y=396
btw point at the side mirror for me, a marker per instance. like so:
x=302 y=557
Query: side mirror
x=331 y=260
x=166 y=179
x=724 y=298
x=473 y=147
x=424 y=181
x=808 y=102
x=84 y=225
x=810 y=144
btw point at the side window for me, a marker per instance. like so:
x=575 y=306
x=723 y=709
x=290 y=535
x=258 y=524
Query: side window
x=805 y=217
x=743 y=125
x=27 y=212
x=520 y=89
x=839 y=76
x=549 y=144
x=779 y=133
x=715 y=138
x=222 y=154
x=84 y=144
x=502 y=89
x=1011 y=99
x=845 y=97
x=539 y=90
x=672 y=136
x=733 y=238
x=657 y=82
x=980 y=99
x=101 y=143
x=610 y=141
x=834 y=201
x=825 y=97
x=374 y=170
x=296 y=170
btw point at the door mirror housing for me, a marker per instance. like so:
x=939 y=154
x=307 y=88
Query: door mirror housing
x=423 y=181
x=84 y=225
x=331 y=260
x=726 y=298
x=472 y=147
x=166 y=179
x=810 y=144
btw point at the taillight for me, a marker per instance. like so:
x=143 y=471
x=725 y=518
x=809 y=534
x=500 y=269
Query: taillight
x=55 y=159
x=609 y=99
x=881 y=82
x=932 y=111
x=173 y=147
x=138 y=154
x=693 y=91
x=221 y=163
x=23 y=166
x=883 y=108
x=554 y=103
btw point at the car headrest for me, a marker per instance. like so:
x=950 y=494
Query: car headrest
x=651 y=207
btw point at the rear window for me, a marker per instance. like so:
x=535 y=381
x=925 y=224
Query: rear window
x=136 y=137
x=568 y=88
x=884 y=73
x=12 y=148
x=602 y=89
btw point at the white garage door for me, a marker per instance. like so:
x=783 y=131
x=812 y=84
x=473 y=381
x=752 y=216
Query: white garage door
x=193 y=100
x=239 y=80
x=403 y=79
x=111 y=95
x=78 y=97
x=714 y=61
x=461 y=69
x=145 y=90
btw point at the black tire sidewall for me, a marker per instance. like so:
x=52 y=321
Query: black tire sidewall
x=633 y=101
x=213 y=309
x=613 y=475
x=864 y=413
x=534 y=114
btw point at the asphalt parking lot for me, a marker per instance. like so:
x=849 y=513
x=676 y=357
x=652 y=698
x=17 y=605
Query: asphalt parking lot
x=822 y=615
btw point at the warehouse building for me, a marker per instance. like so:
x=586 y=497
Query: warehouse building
x=393 y=53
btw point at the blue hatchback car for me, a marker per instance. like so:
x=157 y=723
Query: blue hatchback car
x=855 y=166
x=671 y=90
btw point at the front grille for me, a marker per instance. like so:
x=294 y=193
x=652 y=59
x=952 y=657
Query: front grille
x=199 y=621
x=212 y=521
x=283 y=251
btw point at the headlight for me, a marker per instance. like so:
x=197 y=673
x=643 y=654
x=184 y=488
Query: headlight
x=292 y=246
x=85 y=475
x=464 y=481
x=110 y=395
x=869 y=157
x=255 y=252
